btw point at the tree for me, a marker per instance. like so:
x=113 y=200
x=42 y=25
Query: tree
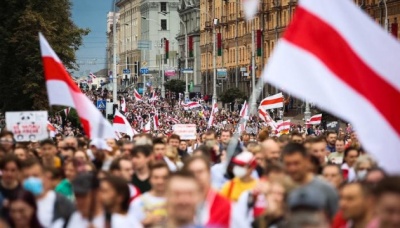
x=22 y=84
x=175 y=85
x=230 y=95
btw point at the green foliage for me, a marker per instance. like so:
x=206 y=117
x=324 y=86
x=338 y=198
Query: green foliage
x=175 y=85
x=22 y=84
x=230 y=95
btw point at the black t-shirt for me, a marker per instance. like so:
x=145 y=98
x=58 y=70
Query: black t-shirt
x=7 y=193
x=142 y=185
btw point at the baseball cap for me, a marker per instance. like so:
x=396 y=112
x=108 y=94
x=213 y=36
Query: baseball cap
x=245 y=158
x=84 y=183
x=306 y=197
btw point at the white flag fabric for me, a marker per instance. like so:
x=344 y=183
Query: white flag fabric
x=121 y=124
x=267 y=119
x=250 y=8
x=271 y=102
x=123 y=105
x=335 y=55
x=137 y=95
x=214 y=110
x=62 y=90
x=244 y=114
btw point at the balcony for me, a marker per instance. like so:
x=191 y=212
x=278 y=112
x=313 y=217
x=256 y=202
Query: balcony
x=224 y=20
x=207 y=25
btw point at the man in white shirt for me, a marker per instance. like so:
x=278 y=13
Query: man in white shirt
x=99 y=207
x=51 y=206
x=149 y=208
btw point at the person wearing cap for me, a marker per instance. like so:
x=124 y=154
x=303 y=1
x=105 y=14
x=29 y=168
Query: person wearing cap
x=244 y=164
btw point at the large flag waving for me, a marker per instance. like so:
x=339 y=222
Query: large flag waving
x=121 y=124
x=336 y=56
x=62 y=90
x=244 y=114
x=137 y=95
x=214 y=110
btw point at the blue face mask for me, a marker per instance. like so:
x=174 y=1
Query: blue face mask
x=33 y=185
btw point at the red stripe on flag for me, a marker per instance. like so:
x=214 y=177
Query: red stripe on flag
x=55 y=71
x=338 y=56
x=272 y=101
x=118 y=120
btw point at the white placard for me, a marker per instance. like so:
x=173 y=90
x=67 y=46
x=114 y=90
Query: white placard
x=185 y=131
x=27 y=125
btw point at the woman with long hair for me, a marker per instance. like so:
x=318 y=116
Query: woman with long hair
x=23 y=210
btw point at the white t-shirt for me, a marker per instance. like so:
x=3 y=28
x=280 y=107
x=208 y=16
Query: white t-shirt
x=46 y=208
x=117 y=220
x=147 y=204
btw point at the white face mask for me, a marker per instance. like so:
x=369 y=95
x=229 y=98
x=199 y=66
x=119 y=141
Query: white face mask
x=239 y=171
x=361 y=174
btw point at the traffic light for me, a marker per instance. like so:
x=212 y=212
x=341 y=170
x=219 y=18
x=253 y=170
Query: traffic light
x=190 y=46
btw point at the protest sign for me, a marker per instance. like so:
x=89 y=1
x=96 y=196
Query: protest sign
x=185 y=131
x=27 y=125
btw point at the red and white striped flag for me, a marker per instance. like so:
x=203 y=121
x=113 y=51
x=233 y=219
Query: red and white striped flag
x=147 y=127
x=244 y=114
x=214 y=110
x=123 y=105
x=137 y=95
x=274 y=101
x=121 y=124
x=250 y=8
x=66 y=111
x=267 y=119
x=155 y=121
x=92 y=75
x=191 y=105
x=336 y=56
x=316 y=119
x=52 y=130
x=283 y=127
x=62 y=90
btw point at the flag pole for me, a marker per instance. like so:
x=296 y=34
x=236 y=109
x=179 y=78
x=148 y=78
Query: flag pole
x=252 y=110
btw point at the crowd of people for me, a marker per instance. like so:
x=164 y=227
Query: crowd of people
x=155 y=180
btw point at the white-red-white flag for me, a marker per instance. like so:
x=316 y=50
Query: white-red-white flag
x=123 y=105
x=121 y=124
x=92 y=75
x=137 y=95
x=52 y=130
x=267 y=119
x=336 y=56
x=316 y=119
x=250 y=8
x=147 y=127
x=62 y=90
x=274 y=101
x=191 y=105
x=214 y=110
x=66 y=111
x=283 y=127
x=155 y=121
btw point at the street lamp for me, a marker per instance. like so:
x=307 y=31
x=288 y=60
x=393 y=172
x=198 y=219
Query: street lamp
x=386 y=16
x=186 y=59
x=162 y=59
x=214 y=97
x=114 y=72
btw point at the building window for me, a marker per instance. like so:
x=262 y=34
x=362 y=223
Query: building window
x=163 y=24
x=163 y=6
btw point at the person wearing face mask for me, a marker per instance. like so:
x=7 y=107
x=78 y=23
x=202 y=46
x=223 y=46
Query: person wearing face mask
x=363 y=164
x=50 y=205
x=243 y=166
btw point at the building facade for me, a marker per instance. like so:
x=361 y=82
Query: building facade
x=159 y=23
x=129 y=31
x=189 y=13
x=234 y=50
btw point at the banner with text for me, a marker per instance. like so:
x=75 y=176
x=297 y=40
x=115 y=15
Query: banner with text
x=27 y=125
x=185 y=131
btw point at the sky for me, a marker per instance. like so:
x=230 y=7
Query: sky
x=91 y=14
